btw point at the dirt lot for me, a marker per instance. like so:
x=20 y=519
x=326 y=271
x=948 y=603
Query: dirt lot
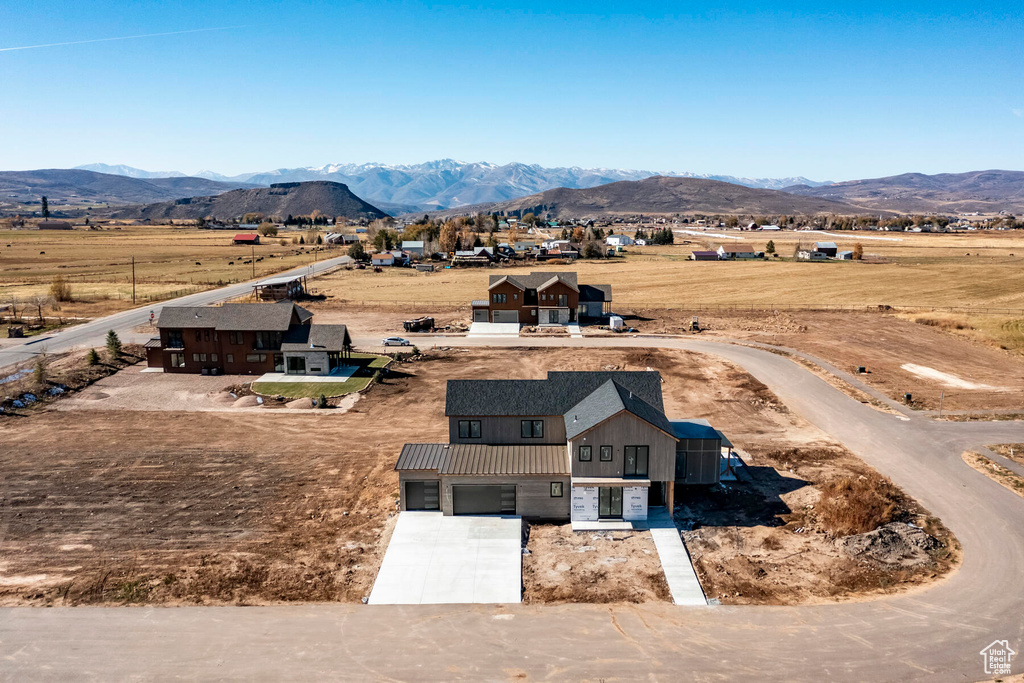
x=900 y=355
x=607 y=566
x=211 y=508
x=778 y=535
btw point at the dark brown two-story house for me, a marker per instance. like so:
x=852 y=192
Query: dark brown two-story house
x=552 y=298
x=582 y=446
x=246 y=339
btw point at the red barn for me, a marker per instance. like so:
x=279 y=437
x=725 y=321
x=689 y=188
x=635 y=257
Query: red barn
x=246 y=238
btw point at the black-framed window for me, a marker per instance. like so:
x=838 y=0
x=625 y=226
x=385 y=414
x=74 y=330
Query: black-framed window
x=469 y=429
x=175 y=339
x=586 y=453
x=637 y=460
x=235 y=338
x=606 y=453
x=532 y=429
x=199 y=335
x=499 y=298
x=556 y=489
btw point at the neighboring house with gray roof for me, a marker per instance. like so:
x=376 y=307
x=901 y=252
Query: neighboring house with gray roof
x=540 y=298
x=246 y=339
x=582 y=446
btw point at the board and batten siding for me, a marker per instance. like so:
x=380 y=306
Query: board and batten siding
x=502 y=430
x=698 y=461
x=618 y=432
x=533 y=494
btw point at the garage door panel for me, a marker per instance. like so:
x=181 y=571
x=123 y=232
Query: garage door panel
x=505 y=316
x=480 y=499
x=422 y=495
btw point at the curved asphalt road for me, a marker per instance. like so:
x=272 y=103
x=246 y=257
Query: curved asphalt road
x=932 y=634
x=93 y=334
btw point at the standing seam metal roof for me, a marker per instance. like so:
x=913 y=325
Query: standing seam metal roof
x=482 y=459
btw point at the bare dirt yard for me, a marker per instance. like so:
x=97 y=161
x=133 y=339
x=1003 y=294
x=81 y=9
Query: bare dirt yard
x=607 y=566
x=128 y=506
x=926 y=359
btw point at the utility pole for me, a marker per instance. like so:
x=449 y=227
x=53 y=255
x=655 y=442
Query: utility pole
x=133 y=280
x=941 y=395
x=252 y=260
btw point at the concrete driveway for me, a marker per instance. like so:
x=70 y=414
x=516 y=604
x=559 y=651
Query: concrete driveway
x=493 y=330
x=434 y=559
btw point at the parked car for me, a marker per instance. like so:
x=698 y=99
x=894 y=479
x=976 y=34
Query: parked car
x=395 y=341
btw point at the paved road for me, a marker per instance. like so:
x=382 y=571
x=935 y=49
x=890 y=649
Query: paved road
x=933 y=634
x=93 y=334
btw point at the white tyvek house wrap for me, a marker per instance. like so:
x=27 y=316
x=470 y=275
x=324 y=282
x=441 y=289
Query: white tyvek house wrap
x=584 y=504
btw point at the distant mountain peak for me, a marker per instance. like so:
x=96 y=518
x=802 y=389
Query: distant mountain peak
x=450 y=182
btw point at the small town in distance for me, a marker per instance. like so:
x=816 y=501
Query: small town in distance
x=597 y=355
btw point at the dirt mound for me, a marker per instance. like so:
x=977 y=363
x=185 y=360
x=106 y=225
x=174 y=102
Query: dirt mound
x=246 y=402
x=895 y=544
x=223 y=398
x=300 y=404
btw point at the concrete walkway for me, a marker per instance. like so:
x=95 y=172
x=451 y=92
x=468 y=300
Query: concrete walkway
x=493 y=330
x=675 y=561
x=574 y=331
x=434 y=559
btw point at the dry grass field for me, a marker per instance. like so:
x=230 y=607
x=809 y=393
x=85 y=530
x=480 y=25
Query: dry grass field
x=921 y=270
x=169 y=260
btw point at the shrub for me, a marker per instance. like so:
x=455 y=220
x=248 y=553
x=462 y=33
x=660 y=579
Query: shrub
x=60 y=289
x=267 y=230
x=376 y=377
x=39 y=372
x=415 y=350
x=92 y=358
x=113 y=345
x=856 y=505
x=322 y=401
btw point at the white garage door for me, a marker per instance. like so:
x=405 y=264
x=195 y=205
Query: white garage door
x=505 y=317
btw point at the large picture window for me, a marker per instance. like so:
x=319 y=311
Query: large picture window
x=636 y=461
x=499 y=298
x=469 y=429
x=532 y=429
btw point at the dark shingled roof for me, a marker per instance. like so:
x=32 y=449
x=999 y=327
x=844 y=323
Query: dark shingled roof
x=316 y=337
x=595 y=293
x=536 y=280
x=480 y=459
x=552 y=396
x=611 y=398
x=276 y=317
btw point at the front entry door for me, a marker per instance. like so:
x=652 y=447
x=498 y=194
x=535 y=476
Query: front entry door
x=609 y=502
x=553 y=315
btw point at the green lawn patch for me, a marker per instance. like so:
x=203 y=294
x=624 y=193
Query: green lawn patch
x=368 y=363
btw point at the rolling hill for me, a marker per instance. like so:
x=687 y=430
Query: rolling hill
x=660 y=195
x=984 y=191
x=281 y=199
x=75 y=186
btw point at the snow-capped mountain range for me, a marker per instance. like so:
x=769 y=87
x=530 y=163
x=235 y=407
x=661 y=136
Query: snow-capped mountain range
x=447 y=183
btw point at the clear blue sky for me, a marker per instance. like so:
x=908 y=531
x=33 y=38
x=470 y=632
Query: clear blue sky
x=824 y=90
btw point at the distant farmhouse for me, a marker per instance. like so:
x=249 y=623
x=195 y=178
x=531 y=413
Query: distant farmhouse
x=545 y=298
x=246 y=339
